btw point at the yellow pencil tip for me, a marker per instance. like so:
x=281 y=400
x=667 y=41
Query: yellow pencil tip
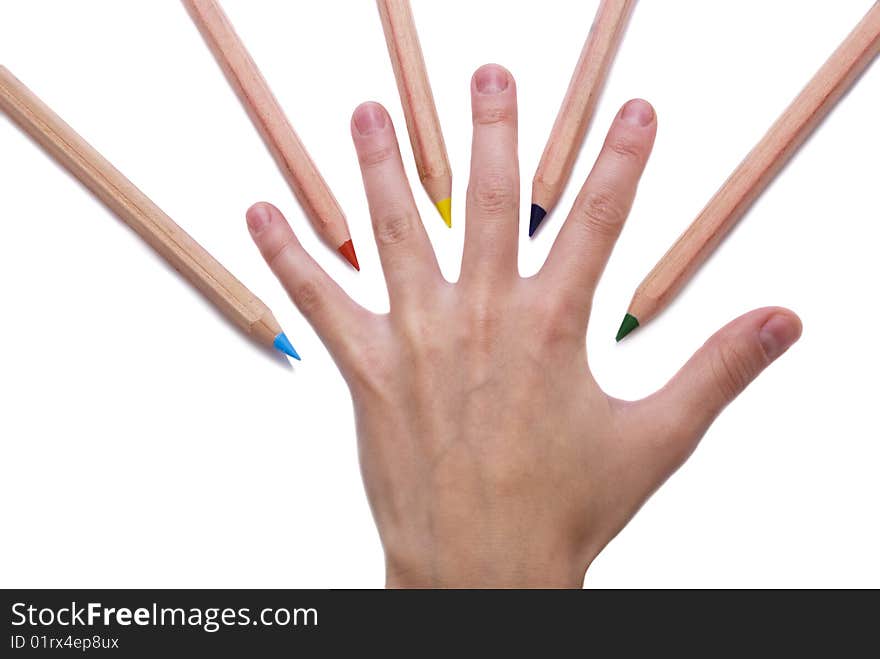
x=445 y=208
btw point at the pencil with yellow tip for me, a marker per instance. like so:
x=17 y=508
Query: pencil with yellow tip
x=755 y=173
x=135 y=209
x=419 y=108
x=296 y=165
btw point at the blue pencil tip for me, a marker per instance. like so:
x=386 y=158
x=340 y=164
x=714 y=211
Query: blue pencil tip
x=283 y=344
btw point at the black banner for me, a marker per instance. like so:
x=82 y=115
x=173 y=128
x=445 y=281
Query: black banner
x=246 y=623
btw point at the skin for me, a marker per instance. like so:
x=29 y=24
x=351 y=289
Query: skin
x=490 y=455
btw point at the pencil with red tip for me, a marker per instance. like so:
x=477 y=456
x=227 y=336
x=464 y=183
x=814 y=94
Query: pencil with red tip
x=297 y=166
x=570 y=127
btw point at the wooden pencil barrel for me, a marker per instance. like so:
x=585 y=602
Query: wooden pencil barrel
x=417 y=98
x=132 y=206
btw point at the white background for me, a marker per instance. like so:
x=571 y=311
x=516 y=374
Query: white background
x=144 y=442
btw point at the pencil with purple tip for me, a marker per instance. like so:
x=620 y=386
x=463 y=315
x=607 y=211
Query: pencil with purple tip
x=577 y=108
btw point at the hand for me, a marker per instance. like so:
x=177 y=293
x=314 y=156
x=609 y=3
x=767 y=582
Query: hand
x=489 y=454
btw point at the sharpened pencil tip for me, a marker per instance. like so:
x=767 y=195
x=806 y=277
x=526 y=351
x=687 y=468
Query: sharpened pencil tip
x=538 y=215
x=445 y=208
x=347 y=250
x=283 y=344
x=629 y=323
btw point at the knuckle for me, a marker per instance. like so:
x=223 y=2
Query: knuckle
x=626 y=148
x=601 y=213
x=274 y=254
x=481 y=327
x=416 y=329
x=308 y=296
x=376 y=156
x=393 y=227
x=558 y=320
x=494 y=193
x=733 y=370
x=494 y=114
x=424 y=343
x=372 y=372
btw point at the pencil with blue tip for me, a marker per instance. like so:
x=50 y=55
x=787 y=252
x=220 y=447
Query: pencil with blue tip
x=135 y=209
x=268 y=117
x=419 y=109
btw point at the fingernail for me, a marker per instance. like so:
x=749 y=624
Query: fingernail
x=258 y=217
x=778 y=334
x=491 y=79
x=369 y=118
x=637 y=113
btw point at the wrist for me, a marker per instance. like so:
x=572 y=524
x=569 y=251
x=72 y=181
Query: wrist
x=469 y=573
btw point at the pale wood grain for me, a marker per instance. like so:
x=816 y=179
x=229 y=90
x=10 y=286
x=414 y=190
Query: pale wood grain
x=133 y=207
x=417 y=99
x=759 y=168
x=576 y=112
x=299 y=169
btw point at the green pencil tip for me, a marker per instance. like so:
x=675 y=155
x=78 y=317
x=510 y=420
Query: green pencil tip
x=629 y=323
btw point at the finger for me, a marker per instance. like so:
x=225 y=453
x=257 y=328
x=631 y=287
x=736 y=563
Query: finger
x=586 y=239
x=685 y=408
x=490 y=246
x=326 y=306
x=407 y=257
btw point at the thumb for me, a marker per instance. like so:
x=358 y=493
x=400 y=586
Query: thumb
x=718 y=373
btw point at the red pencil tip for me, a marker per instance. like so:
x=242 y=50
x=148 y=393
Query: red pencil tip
x=347 y=250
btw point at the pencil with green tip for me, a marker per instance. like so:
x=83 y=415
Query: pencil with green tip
x=419 y=108
x=755 y=173
x=135 y=209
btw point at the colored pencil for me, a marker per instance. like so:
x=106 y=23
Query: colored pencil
x=294 y=161
x=134 y=208
x=577 y=109
x=755 y=173
x=419 y=108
